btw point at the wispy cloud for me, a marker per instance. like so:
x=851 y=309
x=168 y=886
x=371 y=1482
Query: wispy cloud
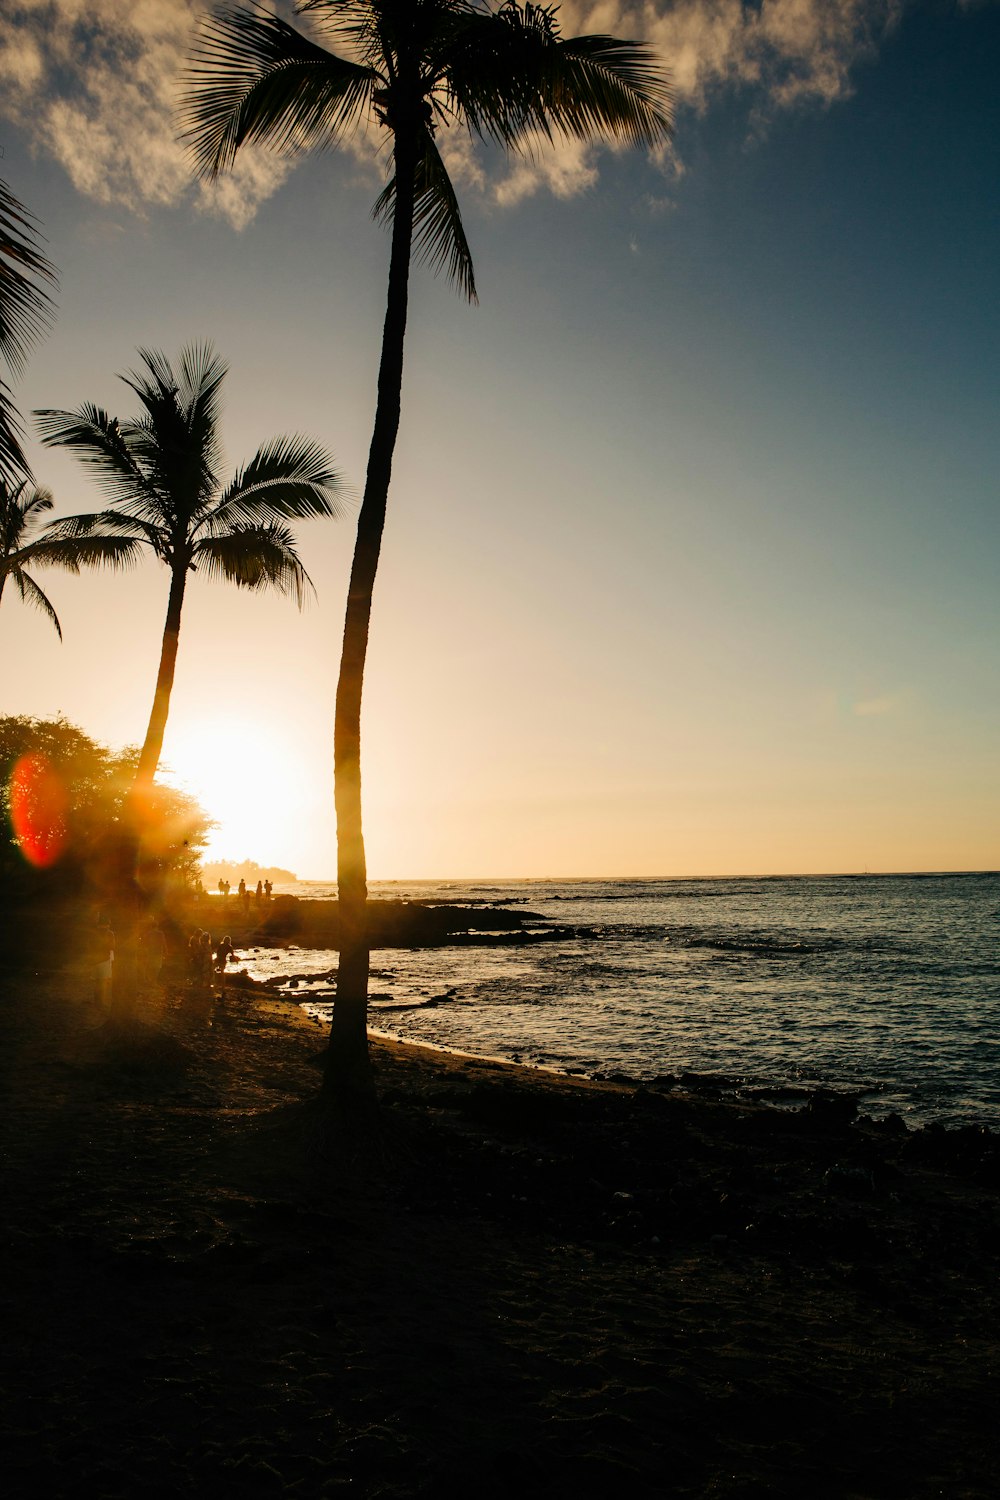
x=781 y=54
x=564 y=167
x=833 y=705
x=879 y=707
x=787 y=51
x=93 y=82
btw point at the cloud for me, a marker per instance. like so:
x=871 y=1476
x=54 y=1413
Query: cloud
x=788 y=51
x=238 y=195
x=832 y=705
x=878 y=708
x=458 y=152
x=783 y=54
x=565 y=167
x=93 y=83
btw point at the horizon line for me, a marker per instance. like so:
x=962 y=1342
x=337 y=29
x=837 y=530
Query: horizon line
x=624 y=879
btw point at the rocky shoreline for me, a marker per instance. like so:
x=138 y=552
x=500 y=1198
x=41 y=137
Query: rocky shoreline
x=392 y=924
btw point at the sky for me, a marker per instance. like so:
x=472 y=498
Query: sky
x=690 y=563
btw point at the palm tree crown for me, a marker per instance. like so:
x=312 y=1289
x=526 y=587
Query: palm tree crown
x=404 y=69
x=412 y=66
x=161 y=472
x=21 y=510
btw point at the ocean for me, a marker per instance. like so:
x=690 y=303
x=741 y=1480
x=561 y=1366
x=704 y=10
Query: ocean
x=888 y=985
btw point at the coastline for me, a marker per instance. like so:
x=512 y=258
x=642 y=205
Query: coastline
x=523 y=1280
x=768 y=991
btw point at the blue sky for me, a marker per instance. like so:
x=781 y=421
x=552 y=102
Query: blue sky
x=690 y=564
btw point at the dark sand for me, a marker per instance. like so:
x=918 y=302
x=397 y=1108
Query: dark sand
x=526 y=1285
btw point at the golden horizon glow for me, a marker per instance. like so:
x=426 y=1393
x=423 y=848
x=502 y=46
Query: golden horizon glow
x=247 y=774
x=265 y=774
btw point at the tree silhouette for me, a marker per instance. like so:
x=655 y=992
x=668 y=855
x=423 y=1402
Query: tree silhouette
x=25 y=311
x=405 y=69
x=161 y=471
x=21 y=510
x=92 y=784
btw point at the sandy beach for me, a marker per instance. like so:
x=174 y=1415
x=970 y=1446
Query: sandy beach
x=517 y=1282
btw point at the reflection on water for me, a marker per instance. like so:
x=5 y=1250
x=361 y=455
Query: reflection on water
x=888 y=984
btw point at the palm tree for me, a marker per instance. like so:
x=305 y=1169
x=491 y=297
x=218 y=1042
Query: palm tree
x=404 y=69
x=25 y=310
x=21 y=509
x=161 y=472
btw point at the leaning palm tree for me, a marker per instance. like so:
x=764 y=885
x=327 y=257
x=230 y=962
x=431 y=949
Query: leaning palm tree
x=21 y=511
x=161 y=472
x=25 y=311
x=404 y=69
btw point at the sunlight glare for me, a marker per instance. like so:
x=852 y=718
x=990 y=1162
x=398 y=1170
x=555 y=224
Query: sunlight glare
x=38 y=807
x=249 y=776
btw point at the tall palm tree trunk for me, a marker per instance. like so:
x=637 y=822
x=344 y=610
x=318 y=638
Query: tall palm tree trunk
x=149 y=756
x=126 y=878
x=348 y=1071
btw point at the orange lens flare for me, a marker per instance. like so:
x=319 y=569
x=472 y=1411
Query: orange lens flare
x=38 y=808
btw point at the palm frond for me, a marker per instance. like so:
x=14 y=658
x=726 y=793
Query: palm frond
x=255 y=557
x=32 y=594
x=601 y=86
x=510 y=73
x=35 y=503
x=13 y=461
x=202 y=371
x=66 y=543
x=107 y=538
x=176 y=441
x=438 y=233
x=290 y=477
x=193 y=387
x=114 y=552
x=202 y=374
x=119 y=521
x=25 y=305
x=21 y=506
x=252 y=77
x=99 y=439
x=352 y=23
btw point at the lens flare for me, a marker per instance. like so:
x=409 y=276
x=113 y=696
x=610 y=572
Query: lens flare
x=38 y=808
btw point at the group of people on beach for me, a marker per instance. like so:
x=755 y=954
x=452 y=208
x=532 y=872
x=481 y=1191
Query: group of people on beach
x=262 y=893
x=203 y=960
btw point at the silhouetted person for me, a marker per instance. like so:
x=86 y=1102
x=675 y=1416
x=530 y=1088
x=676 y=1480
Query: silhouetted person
x=242 y=889
x=222 y=887
x=153 y=953
x=207 y=950
x=267 y=890
x=196 y=956
x=223 y=953
x=104 y=960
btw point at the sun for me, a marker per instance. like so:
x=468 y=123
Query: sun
x=250 y=778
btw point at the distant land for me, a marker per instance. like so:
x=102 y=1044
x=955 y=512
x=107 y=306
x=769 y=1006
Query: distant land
x=246 y=869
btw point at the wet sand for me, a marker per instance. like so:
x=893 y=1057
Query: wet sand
x=520 y=1283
